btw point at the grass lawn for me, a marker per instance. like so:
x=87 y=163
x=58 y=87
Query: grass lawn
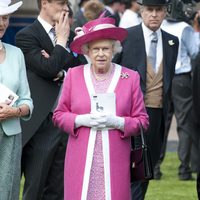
x=169 y=187
x=21 y=189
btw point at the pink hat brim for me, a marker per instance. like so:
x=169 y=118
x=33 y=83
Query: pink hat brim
x=114 y=33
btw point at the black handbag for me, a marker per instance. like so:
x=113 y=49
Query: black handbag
x=141 y=164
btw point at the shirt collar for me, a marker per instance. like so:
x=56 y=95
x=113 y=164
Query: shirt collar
x=110 y=10
x=45 y=24
x=147 y=32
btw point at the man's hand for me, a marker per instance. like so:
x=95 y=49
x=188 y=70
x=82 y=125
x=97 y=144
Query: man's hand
x=62 y=29
x=61 y=73
x=45 y=54
x=60 y=76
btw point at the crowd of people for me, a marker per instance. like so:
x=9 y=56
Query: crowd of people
x=83 y=85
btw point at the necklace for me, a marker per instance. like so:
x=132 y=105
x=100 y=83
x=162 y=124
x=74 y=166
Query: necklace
x=103 y=76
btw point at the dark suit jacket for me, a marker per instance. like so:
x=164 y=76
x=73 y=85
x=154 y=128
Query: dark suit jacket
x=79 y=20
x=115 y=16
x=41 y=72
x=134 y=56
x=196 y=88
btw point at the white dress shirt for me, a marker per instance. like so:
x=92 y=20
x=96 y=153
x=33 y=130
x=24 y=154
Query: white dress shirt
x=129 y=18
x=147 y=39
x=47 y=27
x=189 y=44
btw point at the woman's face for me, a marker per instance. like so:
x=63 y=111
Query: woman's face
x=100 y=53
x=4 y=22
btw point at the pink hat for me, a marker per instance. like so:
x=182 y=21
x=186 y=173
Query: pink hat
x=101 y=28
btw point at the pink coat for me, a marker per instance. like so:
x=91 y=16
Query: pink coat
x=75 y=100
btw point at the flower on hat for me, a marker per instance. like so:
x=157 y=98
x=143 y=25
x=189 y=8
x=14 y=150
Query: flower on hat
x=79 y=32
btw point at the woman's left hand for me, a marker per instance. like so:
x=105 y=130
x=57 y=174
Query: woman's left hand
x=111 y=121
x=7 y=111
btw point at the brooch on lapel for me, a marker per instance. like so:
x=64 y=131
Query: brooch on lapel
x=171 y=42
x=124 y=75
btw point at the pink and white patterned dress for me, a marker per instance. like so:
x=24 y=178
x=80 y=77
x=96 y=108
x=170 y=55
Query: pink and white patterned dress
x=96 y=190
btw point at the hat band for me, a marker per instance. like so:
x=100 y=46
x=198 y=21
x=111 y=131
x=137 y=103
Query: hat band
x=102 y=26
x=82 y=31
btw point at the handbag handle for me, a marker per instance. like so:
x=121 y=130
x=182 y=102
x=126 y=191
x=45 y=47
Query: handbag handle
x=140 y=157
x=144 y=145
x=139 y=140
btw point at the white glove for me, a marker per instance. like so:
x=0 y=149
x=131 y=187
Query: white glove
x=89 y=120
x=110 y=121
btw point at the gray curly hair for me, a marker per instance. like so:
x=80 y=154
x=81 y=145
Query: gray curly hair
x=117 y=48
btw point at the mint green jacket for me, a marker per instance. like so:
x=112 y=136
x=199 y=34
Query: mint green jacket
x=13 y=76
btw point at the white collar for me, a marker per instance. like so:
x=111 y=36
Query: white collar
x=45 y=24
x=110 y=10
x=147 y=32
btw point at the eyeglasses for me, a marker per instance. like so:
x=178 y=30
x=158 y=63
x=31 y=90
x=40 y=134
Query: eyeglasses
x=104 y=50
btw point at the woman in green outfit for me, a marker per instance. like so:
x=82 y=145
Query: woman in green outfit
x=13 y=81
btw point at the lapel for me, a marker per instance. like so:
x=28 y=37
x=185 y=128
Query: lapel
x=42 y=36
x=166 y=62
x=141 y=54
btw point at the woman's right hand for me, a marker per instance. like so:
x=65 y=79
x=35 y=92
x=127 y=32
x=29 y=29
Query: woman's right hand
x=90 y=120
x=7 y=111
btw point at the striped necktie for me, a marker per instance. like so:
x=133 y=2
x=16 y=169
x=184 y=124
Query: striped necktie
x=54 y=38
x=153 y=50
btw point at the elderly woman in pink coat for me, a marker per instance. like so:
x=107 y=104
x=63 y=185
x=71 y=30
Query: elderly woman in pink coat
x=101 y=106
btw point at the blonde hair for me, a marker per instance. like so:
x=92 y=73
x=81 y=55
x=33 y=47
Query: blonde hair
x=93 y=9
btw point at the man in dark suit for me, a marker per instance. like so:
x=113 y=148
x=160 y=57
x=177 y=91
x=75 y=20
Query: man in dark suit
x=156 y=80
x=79 y=18
x=47 y=56
x=112 y=10
x=196 y=112
x=196 y=109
